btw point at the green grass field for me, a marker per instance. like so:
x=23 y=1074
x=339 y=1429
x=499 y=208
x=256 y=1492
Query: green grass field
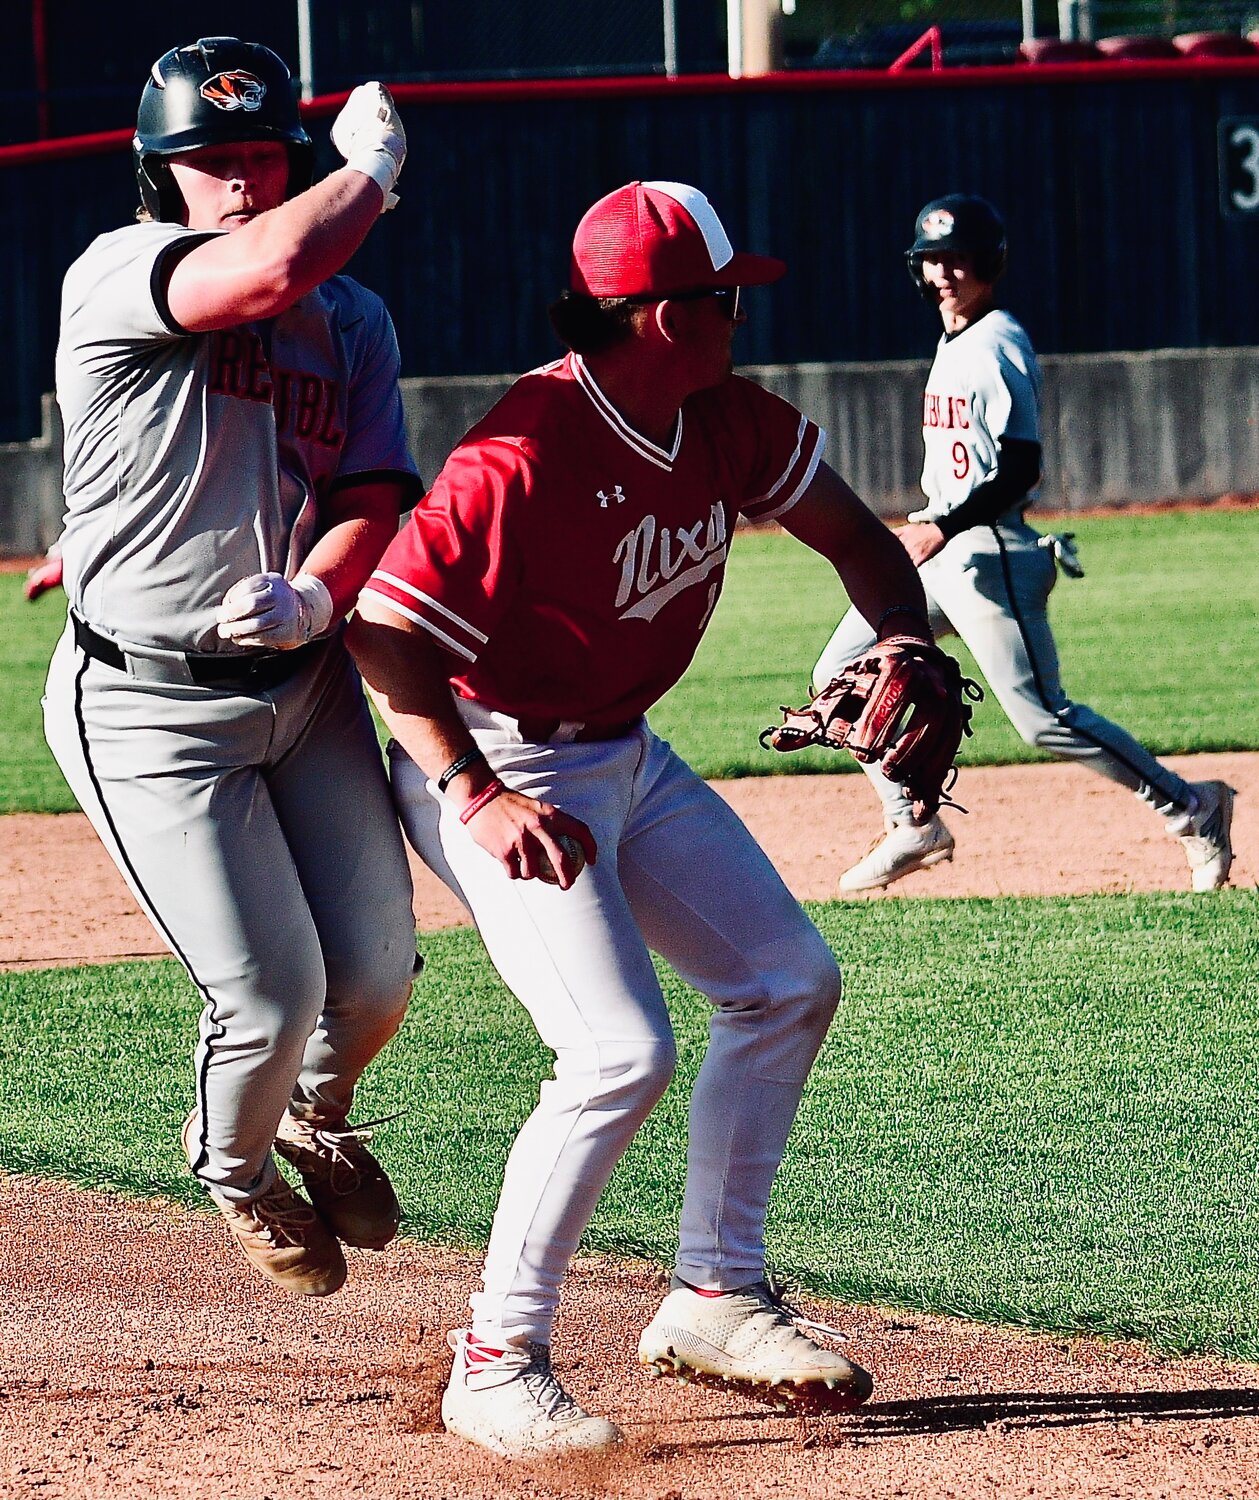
x=1150 y=638
x=1039 y=1112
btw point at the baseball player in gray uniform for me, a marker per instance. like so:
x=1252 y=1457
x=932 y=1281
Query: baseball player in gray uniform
x=987 y=574
x=235 y=463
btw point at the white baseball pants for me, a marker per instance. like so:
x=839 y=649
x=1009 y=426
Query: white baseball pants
x=677 y=872
x=990 y=586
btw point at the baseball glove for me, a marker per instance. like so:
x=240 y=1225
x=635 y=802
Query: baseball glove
x=903 y=702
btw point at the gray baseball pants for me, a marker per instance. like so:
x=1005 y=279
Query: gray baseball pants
x=990 y=586
x=257 y=832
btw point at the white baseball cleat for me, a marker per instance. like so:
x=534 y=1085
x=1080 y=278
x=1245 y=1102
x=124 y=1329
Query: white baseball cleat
x=754 y=1342
x=903 y=849
x=509 y=1401
x=1205 y=834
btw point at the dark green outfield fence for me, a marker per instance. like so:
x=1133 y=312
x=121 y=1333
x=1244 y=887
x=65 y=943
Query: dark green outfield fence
x=1109 y=175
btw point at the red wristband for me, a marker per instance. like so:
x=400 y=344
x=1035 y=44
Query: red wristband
x=482 y=799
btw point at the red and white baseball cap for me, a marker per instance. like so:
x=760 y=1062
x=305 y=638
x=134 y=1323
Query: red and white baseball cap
x=660 y=237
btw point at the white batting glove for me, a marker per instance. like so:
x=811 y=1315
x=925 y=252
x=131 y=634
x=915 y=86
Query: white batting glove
x=269 y=610
x=368 y=133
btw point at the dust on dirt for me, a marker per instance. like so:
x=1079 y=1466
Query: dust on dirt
x=139 y=1356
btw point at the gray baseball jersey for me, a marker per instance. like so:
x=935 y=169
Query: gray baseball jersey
x=251 y=818
x=194 y=462
x=984 y=385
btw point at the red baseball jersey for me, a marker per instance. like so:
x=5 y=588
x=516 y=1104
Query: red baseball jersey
x=568 y=564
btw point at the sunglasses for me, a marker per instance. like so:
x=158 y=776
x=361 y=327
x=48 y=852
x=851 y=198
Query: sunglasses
x=728 y=298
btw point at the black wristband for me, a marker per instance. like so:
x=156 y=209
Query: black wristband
x=460 y=764
x=900 y=609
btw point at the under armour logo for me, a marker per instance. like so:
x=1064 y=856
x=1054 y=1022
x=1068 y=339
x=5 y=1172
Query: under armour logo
x=618 y=494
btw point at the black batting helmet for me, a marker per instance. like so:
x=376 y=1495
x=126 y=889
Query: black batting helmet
x=961 y=224
x=216 y=91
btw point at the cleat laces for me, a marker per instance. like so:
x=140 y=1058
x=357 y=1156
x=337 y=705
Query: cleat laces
x=277 y=1218
x=339 y=1152
x=782 y=1298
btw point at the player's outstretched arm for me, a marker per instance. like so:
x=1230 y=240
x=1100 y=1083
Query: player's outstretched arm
x=263 y=267
x=407 y=676
x=874 y=568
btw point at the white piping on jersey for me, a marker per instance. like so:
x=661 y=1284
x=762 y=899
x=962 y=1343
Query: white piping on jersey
x=716 y=240
x=553 y=364
x=409 y=588
x=650 y=607
x=791 y=463
x=780 y=510
x=662 y=457
x=418 y=619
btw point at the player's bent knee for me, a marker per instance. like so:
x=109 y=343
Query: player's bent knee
x=1062 y=735
x=1044 y=734
x=384 y=991
x=807 y=976
x=376 y=980
x=626 y=1077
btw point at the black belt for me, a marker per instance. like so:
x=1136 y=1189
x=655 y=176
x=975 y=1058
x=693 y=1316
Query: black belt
x=539 y=731
x=248 y=673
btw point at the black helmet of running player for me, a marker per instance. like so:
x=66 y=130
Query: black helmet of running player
x=216 y=91
x=960 y=224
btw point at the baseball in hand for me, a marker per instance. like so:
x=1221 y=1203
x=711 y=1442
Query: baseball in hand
x=571 y=847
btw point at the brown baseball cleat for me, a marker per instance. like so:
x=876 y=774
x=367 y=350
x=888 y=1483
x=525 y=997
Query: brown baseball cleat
x=282 y=1236
x=346 y=1183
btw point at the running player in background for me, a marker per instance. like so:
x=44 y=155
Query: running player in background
x=986 y=573
x=235 y=465
x=546 y=593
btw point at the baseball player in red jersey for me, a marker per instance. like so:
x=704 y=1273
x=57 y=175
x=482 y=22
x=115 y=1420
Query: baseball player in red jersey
x=554 y=583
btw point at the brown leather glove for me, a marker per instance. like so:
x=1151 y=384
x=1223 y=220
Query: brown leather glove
x=904 y=702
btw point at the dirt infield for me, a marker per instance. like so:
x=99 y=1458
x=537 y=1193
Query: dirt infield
x=1031 y=830
x=140 y=1357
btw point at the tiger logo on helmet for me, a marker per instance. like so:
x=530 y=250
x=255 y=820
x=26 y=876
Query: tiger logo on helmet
x=937 y=224
x=235 y=90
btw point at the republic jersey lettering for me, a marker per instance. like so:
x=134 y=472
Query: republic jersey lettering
x=984 y=385
x=195 y=460
x=569 y=565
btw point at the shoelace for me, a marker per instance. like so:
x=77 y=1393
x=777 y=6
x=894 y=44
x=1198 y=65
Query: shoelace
x=782 y=1297
x=343 y=1147
x=278 y=1220
x=536 y=1376
x=546 y=1390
